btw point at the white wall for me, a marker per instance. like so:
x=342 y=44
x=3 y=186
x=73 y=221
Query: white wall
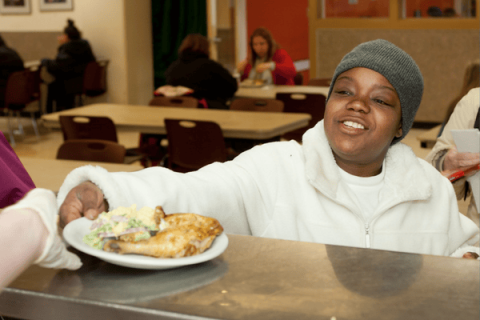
x=105 y=25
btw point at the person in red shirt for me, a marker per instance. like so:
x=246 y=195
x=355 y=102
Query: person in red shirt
x=267 y=61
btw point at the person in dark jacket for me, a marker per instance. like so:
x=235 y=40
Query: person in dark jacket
x=195 y=70
x=73 y=56
x=10 y=61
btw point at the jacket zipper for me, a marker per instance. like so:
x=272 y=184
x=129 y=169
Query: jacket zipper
x=367 y=235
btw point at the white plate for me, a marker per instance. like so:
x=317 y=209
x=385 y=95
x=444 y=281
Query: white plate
x=75 y=230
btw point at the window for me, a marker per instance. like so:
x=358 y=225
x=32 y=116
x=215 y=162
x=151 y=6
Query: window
x=355 y=9
x=439 y=9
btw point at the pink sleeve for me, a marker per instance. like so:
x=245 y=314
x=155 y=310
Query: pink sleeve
x=246 y=72
x=15 y=179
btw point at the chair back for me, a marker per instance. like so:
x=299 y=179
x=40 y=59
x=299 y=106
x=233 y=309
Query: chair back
x=88 y=127
x=313 y=104
x=298 y=79
x=182 y=102
x=92 y=150
x=193 y=144
x=320 y=82
x=265 y=105
x=95 y=78
x=18 y=90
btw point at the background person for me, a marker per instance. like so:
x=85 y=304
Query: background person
x=68 y=67
x=444 y=155
x=349 y=183
x=267 y=61
x=10 y=61
x=194 y=69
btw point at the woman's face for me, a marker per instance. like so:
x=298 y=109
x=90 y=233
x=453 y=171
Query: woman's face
x=260 y=46
x=362 y=117
x=62 y=39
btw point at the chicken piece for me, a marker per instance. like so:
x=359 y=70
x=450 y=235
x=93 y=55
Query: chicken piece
x=186 y=234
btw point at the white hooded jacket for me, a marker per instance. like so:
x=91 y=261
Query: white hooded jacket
x=289 y=191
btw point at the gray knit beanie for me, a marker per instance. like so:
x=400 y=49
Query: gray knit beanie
x=396 y=66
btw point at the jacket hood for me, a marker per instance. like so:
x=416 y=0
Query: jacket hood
x=401 y=164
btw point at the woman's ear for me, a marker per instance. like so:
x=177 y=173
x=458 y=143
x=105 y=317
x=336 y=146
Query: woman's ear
x=399 y=131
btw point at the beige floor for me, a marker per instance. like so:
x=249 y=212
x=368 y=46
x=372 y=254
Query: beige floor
x=46 y=146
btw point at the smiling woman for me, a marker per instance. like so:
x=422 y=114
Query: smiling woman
x=349 y=183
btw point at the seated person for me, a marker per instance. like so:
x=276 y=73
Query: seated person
x=444 y=155
x=68 y=67
x=28 y=233
x=10 y=62
x=350 y=183
x=208 y=79
x=15 y=179
x=267 y=62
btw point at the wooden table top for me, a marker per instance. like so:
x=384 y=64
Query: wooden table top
x=269 y=92
x=50 y=173
x=148 y=119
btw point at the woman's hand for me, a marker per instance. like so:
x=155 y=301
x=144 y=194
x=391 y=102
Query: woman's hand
x=85 y=200
x=455 y=160
x=241 y=66
x=261 y=67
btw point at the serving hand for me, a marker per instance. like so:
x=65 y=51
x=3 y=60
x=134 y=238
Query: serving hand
x=85 y=200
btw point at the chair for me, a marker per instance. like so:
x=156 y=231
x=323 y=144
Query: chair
x=298 y=79
x=264 y=105
x=154 y=144
x=22 y=89
x=88 y=127
x=96 y=128
x=320 y=82
x=94 y=81
x=92 y=150
x=313 y=104
x=194 y=144
x=182 y=102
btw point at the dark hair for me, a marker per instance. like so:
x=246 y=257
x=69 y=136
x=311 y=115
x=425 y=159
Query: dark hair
x=2 y=43
x=265 y=34
x=195 y=42
x=471 y=80
x=71 y=31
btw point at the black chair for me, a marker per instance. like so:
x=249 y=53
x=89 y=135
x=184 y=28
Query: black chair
x=313 y=104
x=262 y=105
x=22 y=89
x=92 y=150
x=193 y=144
x=97 y=128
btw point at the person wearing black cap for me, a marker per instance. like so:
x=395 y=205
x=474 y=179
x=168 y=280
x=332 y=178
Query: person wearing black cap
x=10 y=61
x=73 y=56
x=349 y=183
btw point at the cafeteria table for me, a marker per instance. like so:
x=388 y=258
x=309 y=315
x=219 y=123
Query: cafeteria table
x=270 y=91
x=50 y=173
x=256 y=278
x=148 y=119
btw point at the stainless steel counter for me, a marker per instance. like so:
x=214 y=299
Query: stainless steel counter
x=257 y=278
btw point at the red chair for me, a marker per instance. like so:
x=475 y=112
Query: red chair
x=265 y=105
x=181 y=102
x=194 y=144
x=22 y=89
x=92 y=150
x=313 y=104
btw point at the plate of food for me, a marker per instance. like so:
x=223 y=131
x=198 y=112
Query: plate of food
x=252 y=83
x=148 y=238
